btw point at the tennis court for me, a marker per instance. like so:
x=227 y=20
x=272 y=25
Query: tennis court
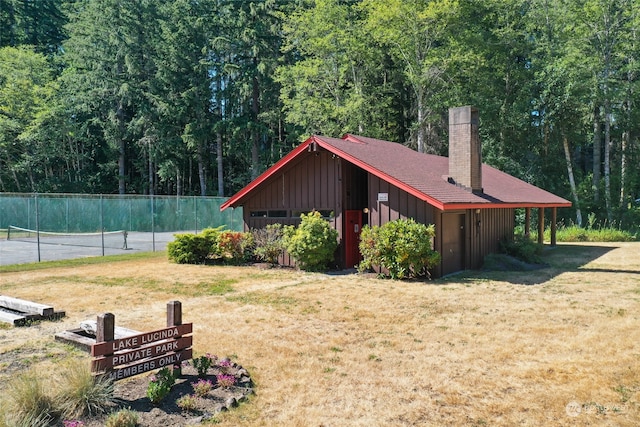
x=26 y=249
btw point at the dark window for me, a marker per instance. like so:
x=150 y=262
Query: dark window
x=258 y=214
x=277 y=214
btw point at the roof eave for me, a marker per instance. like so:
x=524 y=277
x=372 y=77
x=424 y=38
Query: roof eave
x=237 y=198
x=506 y=205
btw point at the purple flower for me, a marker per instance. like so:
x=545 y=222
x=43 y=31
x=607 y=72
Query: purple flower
x=225 y=381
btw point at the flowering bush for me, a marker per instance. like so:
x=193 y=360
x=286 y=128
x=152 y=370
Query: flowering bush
x=203 y=363
x=160 y=385
x=73 y=423
x=225 y=380
x=224 y=365
x=187 y=403
x=202 y=387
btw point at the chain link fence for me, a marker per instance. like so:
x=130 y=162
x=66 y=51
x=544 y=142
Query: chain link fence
x=106 y=222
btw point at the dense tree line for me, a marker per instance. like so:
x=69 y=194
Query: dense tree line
x=198 y=97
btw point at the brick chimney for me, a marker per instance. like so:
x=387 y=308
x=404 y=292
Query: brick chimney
x=465 y=150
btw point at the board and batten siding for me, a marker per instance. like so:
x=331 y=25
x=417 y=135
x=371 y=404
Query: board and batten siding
x=487 y=228
x=311 y=183
x=400 y=204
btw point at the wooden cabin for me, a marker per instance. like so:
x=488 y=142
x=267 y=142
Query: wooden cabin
x=355 y=180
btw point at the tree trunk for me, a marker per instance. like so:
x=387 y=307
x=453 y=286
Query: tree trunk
x=255 y=110
x=219 y=164
x=202 y=176
x=420 y=137
x=572 y=181
x=151 y=171
x=178 y=183
x=626 y=141
x=607 y=161
x=597 y=160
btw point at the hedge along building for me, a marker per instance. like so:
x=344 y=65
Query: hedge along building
x=355 y=180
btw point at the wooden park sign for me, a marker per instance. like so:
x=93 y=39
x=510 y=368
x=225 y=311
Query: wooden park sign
x=135 y=354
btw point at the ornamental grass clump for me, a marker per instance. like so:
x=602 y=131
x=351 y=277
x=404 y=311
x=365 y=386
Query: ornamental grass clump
x=81 y=393
x=27 y=402
x=160 y=385
x=122 y=418
x=202 y=387
x=188 y=403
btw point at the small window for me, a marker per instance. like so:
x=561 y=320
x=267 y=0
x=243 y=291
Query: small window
x=277 y=214
x=258 y=214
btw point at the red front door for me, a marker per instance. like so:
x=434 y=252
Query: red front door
x=352 y=227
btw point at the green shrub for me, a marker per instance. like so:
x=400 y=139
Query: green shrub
x=80 y=393
x=312 y=243
x=522 y=248
x=160 y=385
x=401 y=247
x=234 y=247
x=122 y=418
x=268 y=243
x=189 y=248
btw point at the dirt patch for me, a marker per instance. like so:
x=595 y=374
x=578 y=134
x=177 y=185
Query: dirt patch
x=131 y=394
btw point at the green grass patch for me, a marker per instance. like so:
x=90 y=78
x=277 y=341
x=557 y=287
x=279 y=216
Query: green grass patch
x=574 y=233
x=218 y=287
x=81 y=261
x=260 y=298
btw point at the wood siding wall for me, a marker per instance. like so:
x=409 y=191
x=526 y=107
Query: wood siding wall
x=312 y=183
x=400 y=204
x=484 y=237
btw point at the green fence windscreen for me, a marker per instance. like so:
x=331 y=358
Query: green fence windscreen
x=81 y=213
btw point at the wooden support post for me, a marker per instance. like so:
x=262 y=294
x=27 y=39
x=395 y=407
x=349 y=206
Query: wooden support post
x=105 y=328
x=527 y=222
x=541 y=225
x=174 y=313
x=174 y=318
x=554 y=215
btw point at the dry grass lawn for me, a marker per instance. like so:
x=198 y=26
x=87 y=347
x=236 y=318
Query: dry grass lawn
x=480 y=348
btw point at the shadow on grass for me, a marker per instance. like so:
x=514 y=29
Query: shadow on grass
x=557 y=260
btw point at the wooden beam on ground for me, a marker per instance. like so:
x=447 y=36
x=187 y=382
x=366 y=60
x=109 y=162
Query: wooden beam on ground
x=14 y=319
x=25 y=306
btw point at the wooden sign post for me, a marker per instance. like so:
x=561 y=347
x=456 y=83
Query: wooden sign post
x=136 y=354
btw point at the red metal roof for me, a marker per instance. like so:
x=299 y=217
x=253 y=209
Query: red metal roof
x=422 y=175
